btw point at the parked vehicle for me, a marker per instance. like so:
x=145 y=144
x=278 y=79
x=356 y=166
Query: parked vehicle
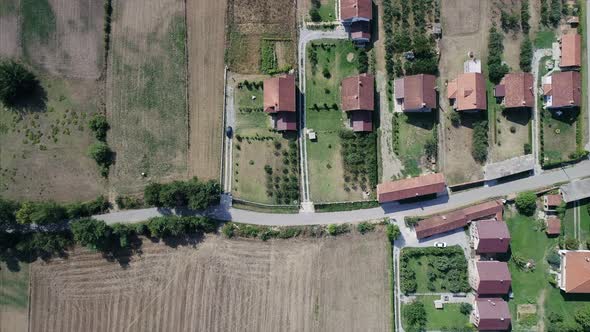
x=440 y=244
x=229 y=131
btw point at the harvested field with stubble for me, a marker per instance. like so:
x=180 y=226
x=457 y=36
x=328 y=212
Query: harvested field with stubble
x=304 y=284
x=146 y=93
x=205 y=26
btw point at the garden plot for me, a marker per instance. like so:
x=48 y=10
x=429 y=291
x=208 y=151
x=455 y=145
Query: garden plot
x=559 y=135
x=415 y=142
x=325 y=9
x=331 y=178
x=266 y=163
x=146 y=94
x=252 y=25
x=450 y=317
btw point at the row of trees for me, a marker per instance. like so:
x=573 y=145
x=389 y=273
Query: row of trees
x=359 y=155
x=479 y=148
x=496 y=68
x=194 y=194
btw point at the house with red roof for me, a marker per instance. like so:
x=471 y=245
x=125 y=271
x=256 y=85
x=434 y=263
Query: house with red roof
x=552 y=226
x=429 y=184
x=574 y=274
x=491 y=278
x=562 y=90
x=416 y=93
x=571 y=51
x=516 y=90
x=491 y=314
x=358 y=101
x=356 y=16
x=490 y=237
x=467 y=93
x=279 y=102
x=551 y=202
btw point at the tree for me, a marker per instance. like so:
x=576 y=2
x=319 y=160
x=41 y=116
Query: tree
x=41 y=213
x=123 y=233
x=455 y=118
x=526 y=203
x=465 y=308
x=415 y=314
x=524 y=16
x=16 y=82
x=151 y=194
x=314 y=14
x=392 y=232
x=363 y=62
x=431 y=147
x=555 y=14
x=7 y=212
x=497 y=71
x=526 y=54
x=99 y=125
x=102 y=154
x=582 y=317
x=91 y=233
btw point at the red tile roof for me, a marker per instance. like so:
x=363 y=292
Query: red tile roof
x=553 y=226
x=441 y=224
x=518 y=90
x=357 y=93
x=279 y=94
x=494 y=237
x=350 y=9
x=566 y=89
x=362 y=120
x=418 y=91
x=577 y=271
x=286 y=121
x=494 y=278
x=469 y=90
x=409 y=188
x=553 y=200
x=483 y=210
x=571 y=54
x=493 y=314
x=360 y=30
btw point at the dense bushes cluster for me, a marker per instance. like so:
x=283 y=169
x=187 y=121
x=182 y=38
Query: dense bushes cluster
x=509 y=21
x=496 y=68
x=448 y=266
x=265 y=233
x=526 y=54
x=359 y=155
x=346 y=206
x=194 y=194
x=415 y=316
x=526 y=203
x=580 y=322
x=479 y=149
x=524 y=16
x=550 y=12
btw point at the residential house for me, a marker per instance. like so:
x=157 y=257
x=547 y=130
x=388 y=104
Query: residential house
x=358 y=101
x=562 y=90
x=574 y=276
x=571 y=52
x=491 y=278
x=490 y=237
x=279 y=102
x=491 y=314
x=551 y=202
x=430 y=184
x=416 y=93
x=552 y=226
x=356 y=16
x=467 y=93
x=516 y=90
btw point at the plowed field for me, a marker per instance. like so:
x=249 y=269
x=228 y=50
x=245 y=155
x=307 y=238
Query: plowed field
x=329 y=284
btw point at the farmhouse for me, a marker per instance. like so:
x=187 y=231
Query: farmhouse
x=551 y=202
x=516 y=91
x=491 y=315
x=491 y=278
x=279 y=102
x=575 y=271
x=467 y=93
x=356 y=15
x=562 y=90
x=490 y=237
x=552 y=226
x=456 y=219
x=416 y=93
x=358 y=101
x=575 y=190
x=429 y=184
x=571 y=54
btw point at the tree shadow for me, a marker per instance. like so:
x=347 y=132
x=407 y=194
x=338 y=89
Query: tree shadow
x=34 y=102
x=521 y=115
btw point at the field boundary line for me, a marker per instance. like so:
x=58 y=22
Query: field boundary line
x=222 y=166
x=29 y=301
x=187 y=91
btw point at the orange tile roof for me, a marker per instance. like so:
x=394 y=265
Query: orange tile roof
x=358 y=93
x=279 y=94
x=350 y=9
x=571 y=54
x=577 y=271
x=471 y=92
x=519 y=90
x=419 y=92
x=409 y=188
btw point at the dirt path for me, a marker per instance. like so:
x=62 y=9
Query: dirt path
x=206 y=44
x=541 y=310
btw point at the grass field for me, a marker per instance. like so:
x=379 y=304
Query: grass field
x=421 y=267
x=441 y=319
x=415 y=129
x=147 y=85
x=324 y=115
x=304 y=284
x=326 y=10
x=14 y=298
x=568 y=222
x=559 y=136
x=257 y=145
x=544 y=39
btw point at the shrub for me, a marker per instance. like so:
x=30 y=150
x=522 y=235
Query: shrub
x=195 y=194
x=524 y=16
x=365 y=227
x=553 y=259
x=392 y=232
x=527 y=148
x=480 y=141
x=8 y=210
x=415 y=315
x=337 y=229
x=314 y=14
x=326 y=73
x=99 y=126
x=91 y=233
x=363 y=62
x=455 y=118
x=465 y=308
x=571 y=243
x=526 y=203
x=40 y=213
x=228 y=230
x=102 y=154
x=526 y=54
x=16 y=82
x=509 y=21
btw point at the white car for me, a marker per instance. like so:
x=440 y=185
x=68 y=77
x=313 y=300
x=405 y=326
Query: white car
x=440 y=244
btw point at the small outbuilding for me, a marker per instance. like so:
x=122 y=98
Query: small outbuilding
x=552 y=226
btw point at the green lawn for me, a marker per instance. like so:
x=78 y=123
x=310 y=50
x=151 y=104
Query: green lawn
x=438 y=319
x=544 y=39
x=324 y=115
x=326 y=10
x=14 y=287
x=557 y=302
x=529 y=242
x=559 y=136
x=415 y=129
x=568 y=222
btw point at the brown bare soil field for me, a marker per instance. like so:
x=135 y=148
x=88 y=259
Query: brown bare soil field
x=206 y=26
x=9 y=29
x=146 y=93
x=251 y=20
x=311 y=284
x=462 y=32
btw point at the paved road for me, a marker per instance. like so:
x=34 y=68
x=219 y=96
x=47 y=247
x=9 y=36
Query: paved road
x=535 y=114
x=588 y=68
x=395 y=210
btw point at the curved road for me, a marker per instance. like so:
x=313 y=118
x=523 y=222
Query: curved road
x=394 y=210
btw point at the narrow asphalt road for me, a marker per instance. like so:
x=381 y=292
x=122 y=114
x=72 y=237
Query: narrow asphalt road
x=587 y=68
x=395 y=210
x=535 y=114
